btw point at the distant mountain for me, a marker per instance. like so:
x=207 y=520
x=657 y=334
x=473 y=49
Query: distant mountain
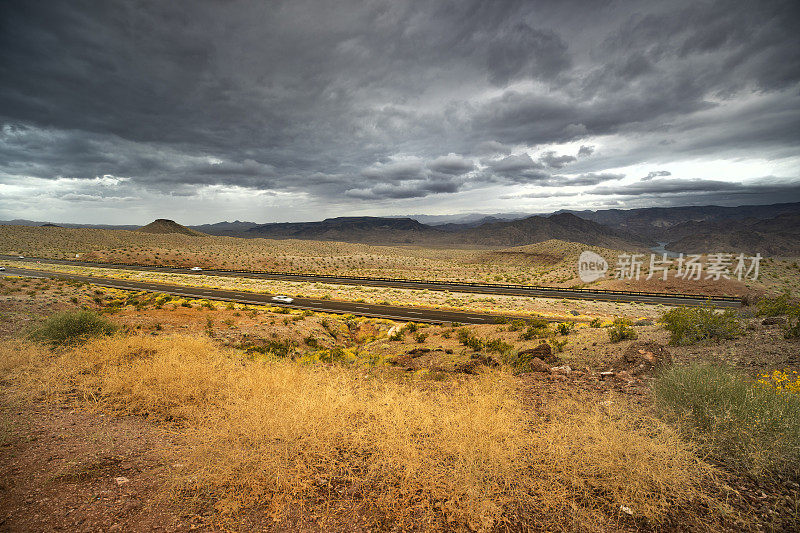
x=473 y=219
x=667 y=224
x=377 y=230
x=564 y=227
x=779 y=236
x=23 y=222
x=349 y=229
x=163 y=225
x=233 y=229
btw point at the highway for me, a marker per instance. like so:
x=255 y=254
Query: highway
x=480 y=288
x=328 y=306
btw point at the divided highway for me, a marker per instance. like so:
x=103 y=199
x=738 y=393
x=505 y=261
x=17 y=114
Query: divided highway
x=514 y=290
x=328 y=306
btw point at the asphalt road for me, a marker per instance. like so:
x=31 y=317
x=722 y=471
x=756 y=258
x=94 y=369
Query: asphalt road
x=405 y=284
x=329 y=306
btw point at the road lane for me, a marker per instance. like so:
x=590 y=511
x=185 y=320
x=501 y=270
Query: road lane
x=694 y=300
x=329 y=306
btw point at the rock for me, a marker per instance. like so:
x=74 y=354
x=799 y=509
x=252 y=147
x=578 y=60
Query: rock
x=647 y=356
x=607 y=374
x=625 y=509
x=651 y=354
x=121 y=480
x=564 y=370
x=418 y=352
x=486 y=360
x=543 y=352
x=537 y=365
x=575 y=313
x=774 y=321
x=467 y=368
x=643 y=322
x=625 y=375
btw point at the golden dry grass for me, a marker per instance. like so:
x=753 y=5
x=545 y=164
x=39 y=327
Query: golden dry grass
x=275 y=435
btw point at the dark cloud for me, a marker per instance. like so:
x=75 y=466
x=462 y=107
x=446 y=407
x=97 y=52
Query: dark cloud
x=333 y=103
x=683 y=187
x=451 y=164
x=552 y=160
x=656 y=174
x=519 y=51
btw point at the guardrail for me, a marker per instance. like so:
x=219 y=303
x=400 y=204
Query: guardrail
x=532 y=288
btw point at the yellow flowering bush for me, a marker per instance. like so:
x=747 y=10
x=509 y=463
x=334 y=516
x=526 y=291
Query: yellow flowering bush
x=781 y=381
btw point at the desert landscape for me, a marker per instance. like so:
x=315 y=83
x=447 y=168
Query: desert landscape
x=384 y=266
x=158 y=410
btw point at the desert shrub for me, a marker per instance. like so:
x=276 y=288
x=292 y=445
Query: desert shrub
x=750 y=427
x=475 y=343
x=565 y=328
x=596 y=323
x=498 y=346
x=420 y=337
x=535 y=332
x=792 y=330
x=72 y=327
x=688 y=325
x=780 y=305
x=621 y=330
x=411 y=327
x=397 y=335
x=558 y=345
x=516 y=325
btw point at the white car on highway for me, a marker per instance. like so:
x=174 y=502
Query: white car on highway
x=196 y=269
x=282 y=299
x=2 y=268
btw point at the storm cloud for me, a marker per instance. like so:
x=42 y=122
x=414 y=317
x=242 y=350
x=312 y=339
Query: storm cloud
x=121 y=111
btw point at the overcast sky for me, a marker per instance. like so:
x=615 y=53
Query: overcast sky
x=201 y=111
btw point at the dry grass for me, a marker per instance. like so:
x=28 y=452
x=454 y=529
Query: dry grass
x=275 y=435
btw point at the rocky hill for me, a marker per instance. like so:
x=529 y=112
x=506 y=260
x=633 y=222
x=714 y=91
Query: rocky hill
x=779 y=236
x=163 y=225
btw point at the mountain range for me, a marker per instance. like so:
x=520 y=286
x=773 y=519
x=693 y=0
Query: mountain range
x=768 y=229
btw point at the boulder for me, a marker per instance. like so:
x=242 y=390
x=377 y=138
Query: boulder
x=544 y=352
x=537 y=365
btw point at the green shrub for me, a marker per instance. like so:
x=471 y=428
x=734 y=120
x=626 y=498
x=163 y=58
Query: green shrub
x=72 y=327
x=411 y=327
x=564 y=328
x=498 y=346
x=537 y=328
x=558 y=346
x=420 y=337
x=688 y=325
x=475 y=343
x=780 y=305
x=621 y=330
x=596 y=323
x=744 y=425
x=516 y=325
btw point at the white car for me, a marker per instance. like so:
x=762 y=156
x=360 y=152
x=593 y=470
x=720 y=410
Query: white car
x=196 y=269
x=2 y=268
x=282 y=299
x=21 y=257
